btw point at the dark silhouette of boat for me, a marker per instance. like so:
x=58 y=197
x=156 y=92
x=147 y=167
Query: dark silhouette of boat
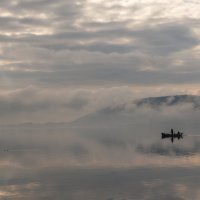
x=172 y=135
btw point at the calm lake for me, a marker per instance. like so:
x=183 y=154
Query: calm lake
x=97 y=163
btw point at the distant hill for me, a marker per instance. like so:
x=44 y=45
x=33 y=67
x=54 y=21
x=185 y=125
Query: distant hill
x=128 y=114
x=169 y=100
x=155 y=102
x=122 y=114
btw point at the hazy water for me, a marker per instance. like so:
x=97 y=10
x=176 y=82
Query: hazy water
x=97 y=164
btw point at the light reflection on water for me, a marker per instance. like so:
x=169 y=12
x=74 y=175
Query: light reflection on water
x=74 y=164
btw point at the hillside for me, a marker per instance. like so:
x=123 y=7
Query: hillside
x=142 y=112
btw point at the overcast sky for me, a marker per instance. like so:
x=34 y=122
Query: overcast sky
x=62 y=59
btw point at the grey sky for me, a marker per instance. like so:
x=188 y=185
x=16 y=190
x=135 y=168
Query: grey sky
x=61 y=47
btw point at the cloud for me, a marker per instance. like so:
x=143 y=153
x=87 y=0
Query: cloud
x=31 y=103
x=36 y=105
x=96 y=45
x=167 y=39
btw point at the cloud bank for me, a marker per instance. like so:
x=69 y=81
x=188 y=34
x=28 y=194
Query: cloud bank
x=94 y=44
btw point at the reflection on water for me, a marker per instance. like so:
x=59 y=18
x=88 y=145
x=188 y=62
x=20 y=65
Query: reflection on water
x=40 y=163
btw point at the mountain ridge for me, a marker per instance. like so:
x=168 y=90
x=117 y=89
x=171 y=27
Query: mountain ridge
x=169 y=100
x=115 y=111
x=123 y=111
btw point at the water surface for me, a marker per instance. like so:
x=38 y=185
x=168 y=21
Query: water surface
x=96 y=164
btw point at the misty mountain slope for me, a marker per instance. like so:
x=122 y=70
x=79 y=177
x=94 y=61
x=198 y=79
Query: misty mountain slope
x=169 y=100
x=166 y=111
